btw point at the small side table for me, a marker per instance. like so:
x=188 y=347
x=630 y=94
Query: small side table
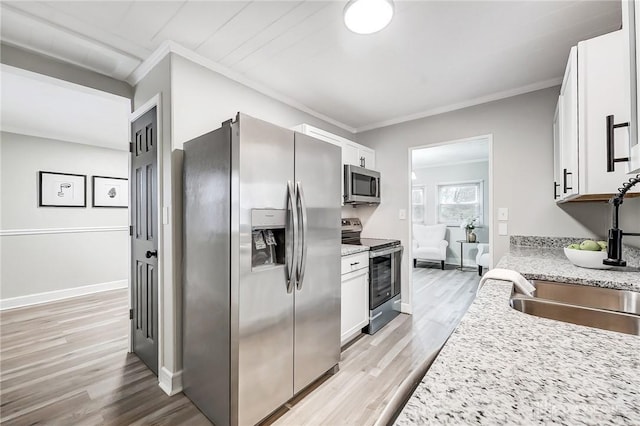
x=462 y=243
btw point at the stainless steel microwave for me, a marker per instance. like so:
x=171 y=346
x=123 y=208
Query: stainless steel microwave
x=361 y=186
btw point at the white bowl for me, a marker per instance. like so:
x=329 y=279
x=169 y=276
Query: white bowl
x=587 y=259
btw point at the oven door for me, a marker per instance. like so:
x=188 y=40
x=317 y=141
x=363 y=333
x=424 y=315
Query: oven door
x=361 y=186
x=384 y=275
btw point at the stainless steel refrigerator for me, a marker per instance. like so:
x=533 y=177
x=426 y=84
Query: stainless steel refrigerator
x=261 y=296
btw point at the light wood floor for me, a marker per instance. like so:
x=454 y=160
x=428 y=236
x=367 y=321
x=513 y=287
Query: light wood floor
x=66 y=363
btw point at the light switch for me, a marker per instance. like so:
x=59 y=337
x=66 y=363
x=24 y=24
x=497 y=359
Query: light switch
x=402 y=214
x=503 y=213
x=502 y=228
x=165 y=215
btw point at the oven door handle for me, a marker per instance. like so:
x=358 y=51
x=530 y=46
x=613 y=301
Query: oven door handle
x=385 y=252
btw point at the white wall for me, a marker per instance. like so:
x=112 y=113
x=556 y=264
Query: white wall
x=203 y=99
x=42 y=262
x=522 y=167
x=430 y=178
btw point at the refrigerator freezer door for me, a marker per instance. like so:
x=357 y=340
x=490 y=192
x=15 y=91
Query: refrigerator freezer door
x=265 y=309
x=317 y=298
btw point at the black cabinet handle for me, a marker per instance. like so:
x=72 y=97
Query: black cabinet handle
x=355 y=263
x=611 y=157
x=555 y=190
x=363 y=162
x=565 y=173
x=151 y=254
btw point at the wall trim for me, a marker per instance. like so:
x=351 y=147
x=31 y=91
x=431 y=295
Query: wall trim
x=464 y=104
x=170 y=383
x=50 y=296
x=405 y=308
x=169 y=46
x=43 y=231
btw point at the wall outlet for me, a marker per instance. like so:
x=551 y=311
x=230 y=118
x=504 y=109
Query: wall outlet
x=503 y=213
x=502 y=228
x=402 y=214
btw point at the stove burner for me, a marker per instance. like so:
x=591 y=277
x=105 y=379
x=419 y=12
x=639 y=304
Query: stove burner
x=351 y=229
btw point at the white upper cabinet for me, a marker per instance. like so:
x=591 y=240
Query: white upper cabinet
x=352 y=153
x=568 y=130
x=557 y=167
x=358 y=155
x=604 y=113
x=593 y=107
x=631 y=28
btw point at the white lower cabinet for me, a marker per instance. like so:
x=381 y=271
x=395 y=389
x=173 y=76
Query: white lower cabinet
x=355 y=296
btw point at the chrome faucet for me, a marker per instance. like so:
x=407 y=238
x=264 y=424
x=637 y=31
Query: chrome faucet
x=614 y=245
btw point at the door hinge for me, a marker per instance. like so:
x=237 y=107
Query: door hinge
x=130 y=314
x=131 y=230
x=130 y=146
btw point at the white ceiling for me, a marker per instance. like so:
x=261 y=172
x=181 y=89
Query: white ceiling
x=469 y=151
x=34 y=105
x=435 y=56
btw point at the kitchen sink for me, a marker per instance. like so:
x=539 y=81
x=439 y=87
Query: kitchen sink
x=604 y=308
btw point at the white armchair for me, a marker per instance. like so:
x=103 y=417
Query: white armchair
x=429 y=243
x=482 y=258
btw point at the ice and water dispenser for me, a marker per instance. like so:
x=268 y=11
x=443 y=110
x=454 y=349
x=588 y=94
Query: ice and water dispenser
x=268 y=240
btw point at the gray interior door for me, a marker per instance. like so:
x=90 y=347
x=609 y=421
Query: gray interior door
x=144 y=239
x=317 y=295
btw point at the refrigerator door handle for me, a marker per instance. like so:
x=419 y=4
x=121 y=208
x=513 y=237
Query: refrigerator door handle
x=302 y=256
x=293 y=260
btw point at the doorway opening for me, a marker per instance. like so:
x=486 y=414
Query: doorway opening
x=450 y=220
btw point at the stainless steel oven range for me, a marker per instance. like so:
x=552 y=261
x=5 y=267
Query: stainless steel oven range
x=385 y=257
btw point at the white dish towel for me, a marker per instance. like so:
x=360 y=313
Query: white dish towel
x=507 y=275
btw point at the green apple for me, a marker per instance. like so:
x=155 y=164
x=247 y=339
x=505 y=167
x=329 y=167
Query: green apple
x=602 y=244
x=590 y=245
x=574 y=246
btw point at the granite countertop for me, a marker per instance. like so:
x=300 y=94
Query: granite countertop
x=501 y=366
x=348 y=249
x=551 y=264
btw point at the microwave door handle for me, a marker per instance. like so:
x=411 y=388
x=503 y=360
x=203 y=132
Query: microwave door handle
x=291 y=260
x=302 y=255
x=374 y=183
x=348 y=180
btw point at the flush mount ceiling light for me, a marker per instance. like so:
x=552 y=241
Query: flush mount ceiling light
x=368 y=16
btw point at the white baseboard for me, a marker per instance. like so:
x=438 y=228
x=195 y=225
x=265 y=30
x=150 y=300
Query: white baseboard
x=50 y=296
x=405 y=308
x=170 y=383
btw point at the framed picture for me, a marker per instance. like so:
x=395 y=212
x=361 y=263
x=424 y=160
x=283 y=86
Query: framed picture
x=62 y=190
x=110 y=192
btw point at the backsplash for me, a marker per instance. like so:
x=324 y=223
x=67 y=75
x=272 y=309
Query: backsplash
x=630 y=254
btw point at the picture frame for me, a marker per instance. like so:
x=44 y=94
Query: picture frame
x=56 y=189
x=110 y=192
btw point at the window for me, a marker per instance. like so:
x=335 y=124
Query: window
x=417 y=204
x=460 y=201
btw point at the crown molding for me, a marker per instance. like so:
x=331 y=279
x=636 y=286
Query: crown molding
x=465 y=104
x=168 y=47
